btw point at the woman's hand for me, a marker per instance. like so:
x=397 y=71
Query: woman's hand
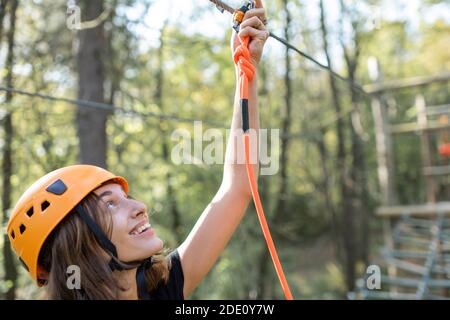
x=253 y=26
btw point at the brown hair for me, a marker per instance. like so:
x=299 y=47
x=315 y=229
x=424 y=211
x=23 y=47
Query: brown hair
x=72 y=243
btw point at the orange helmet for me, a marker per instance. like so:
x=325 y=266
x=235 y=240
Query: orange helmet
x=46 y=202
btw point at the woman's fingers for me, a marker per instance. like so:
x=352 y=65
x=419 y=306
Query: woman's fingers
x=254 y=22
x=259 y=12
x=259 y=4
x=253 y=33
x=253 y=26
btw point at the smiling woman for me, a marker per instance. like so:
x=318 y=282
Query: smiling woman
x=90 y=221
x=81 y=218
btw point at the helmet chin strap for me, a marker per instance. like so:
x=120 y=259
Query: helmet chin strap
x=115 y=264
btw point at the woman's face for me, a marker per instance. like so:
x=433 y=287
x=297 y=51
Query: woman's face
x=132 y=233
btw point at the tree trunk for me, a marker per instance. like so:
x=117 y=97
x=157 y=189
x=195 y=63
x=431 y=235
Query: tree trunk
x=10 y=268
x=261 y=280
x=358 y=169
x=360 y=192
x=346 y=208
x=358 y=177
x=159 y=99
x=115 y=73
x=285 y=126
x=3 y=4
x=91 y=123
x=326 y=191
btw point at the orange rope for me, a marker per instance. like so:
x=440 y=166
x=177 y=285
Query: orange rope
x=246 y=73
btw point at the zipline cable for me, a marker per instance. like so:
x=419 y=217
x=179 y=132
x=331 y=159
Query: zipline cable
x=224 y=7
x=108 y=107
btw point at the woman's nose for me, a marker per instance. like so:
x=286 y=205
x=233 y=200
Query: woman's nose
x=138 y=209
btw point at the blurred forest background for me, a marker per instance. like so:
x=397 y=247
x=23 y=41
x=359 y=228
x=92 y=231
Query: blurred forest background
x=158 y=57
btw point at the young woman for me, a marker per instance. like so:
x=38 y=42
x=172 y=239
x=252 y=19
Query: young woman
x=80 y=220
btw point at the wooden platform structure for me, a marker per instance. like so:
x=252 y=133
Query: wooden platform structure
x=416 y=256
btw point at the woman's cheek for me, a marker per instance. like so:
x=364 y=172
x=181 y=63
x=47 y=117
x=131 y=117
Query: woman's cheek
x=119 y=228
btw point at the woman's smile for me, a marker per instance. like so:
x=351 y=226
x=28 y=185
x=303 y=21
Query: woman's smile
x=144 y=230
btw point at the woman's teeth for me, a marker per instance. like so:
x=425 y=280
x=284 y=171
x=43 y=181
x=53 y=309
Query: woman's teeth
x=141 y=229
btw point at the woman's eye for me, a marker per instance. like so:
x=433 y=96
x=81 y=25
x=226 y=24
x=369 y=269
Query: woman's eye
x=110 y=205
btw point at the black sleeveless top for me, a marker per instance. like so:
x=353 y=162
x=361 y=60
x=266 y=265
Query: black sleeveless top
x=173 y=289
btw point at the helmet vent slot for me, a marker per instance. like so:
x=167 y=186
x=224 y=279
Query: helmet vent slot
x=30 y=212
x=44 y=205
x=58 y=187
x=22 y=228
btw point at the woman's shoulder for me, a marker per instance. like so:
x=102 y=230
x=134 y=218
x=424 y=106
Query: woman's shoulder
x=173 y=288
x=174 y=260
